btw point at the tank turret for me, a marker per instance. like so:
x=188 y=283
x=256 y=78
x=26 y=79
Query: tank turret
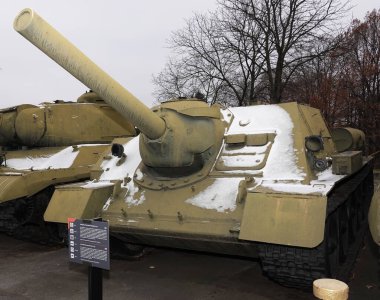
x=262 y=181
x=60 y=123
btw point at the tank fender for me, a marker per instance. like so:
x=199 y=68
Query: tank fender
x=75 y=201
x=287 y=219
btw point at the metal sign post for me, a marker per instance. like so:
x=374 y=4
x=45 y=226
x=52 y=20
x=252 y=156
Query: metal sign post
x=95 y=283
x=89 y=244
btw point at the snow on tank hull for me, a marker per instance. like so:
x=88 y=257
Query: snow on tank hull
x=27 y=182
x=269 y=163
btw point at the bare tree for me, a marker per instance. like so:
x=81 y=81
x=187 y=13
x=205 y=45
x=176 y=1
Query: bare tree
x=363 y=39
x=345 y=84
x=217 y=55
x=249 y=49
x=290 y=30
x=324 y=83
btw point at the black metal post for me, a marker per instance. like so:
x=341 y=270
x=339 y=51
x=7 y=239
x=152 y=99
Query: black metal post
x=95 y=283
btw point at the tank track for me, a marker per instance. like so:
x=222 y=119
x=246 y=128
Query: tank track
x=346 y=224
x=126 y=251
x=23 y=219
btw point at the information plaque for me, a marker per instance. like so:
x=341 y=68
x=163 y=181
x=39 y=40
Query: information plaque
x=88 y=242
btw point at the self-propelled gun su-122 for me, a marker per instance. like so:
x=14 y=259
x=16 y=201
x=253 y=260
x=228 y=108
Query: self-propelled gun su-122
x=267 y=181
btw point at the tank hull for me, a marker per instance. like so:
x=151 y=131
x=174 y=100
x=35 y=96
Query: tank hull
x=334 y=256
x=237 y=212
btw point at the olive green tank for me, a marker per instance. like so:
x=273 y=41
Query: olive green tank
x=266 y=181
x=46 y=145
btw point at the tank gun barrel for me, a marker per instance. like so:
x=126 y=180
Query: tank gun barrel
x=35 y=29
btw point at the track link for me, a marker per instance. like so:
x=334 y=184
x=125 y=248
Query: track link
x=23 y=219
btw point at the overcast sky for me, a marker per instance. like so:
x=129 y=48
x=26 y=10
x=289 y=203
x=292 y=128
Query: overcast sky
x=126 y=38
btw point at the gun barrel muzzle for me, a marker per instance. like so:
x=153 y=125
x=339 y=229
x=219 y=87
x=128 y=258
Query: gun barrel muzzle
x=35 y=29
